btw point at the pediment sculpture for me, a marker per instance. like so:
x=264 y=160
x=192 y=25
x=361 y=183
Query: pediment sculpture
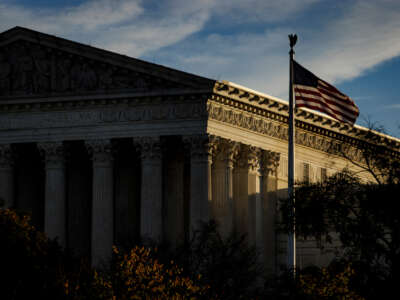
x=28 y=68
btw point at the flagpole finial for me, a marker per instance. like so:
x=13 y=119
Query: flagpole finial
x=292 y=40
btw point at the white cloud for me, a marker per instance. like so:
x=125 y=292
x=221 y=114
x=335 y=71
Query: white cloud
x=87 y=17
x=350 y=42
x=156 y=31
x=345 y=43
x=132 y=28
x=260 y=10
x=98 y=13
x=254 y=60
x=367 y=35
x=120 y=25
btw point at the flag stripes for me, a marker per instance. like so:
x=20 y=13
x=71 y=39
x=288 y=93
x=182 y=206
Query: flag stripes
x=316 y=94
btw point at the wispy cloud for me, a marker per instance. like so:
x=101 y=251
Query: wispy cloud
x=124 y=26
x=346 y=43
x=366 y=35
x=239 y=11
x=135 y=27
x=154 y=31
x=87 y=17
x=357 y=38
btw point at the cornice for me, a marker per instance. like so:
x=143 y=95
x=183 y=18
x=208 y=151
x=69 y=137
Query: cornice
x=268 y=107
x=108 y=100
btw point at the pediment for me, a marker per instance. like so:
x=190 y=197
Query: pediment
x=37 y=64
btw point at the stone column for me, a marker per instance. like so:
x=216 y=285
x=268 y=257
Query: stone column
x=266 y=217
x=151 y=187
x=201 y=148
x=6 y=176
x=222 y=184
x=102 y=236
x=55 y=191
x=246 y=192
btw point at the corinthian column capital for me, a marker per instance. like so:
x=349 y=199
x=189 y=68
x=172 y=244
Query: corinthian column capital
x=269 y=162
x=249 y=157
x=149 y=147
x=53 y=154
x=100 y=151
x=6 y=155
x=202 y=146
x=226 y=152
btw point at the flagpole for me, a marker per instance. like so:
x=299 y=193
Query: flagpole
x=291 y=163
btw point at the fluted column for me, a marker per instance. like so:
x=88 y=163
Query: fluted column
x=266 y=210
x=201 y=148
x=247 y=192
x=55 y=190
x=222 y=184
x=151 y=187
x=6 y=176
x=102 y=236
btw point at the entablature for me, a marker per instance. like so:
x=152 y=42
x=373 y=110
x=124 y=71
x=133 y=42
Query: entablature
x=231 y=98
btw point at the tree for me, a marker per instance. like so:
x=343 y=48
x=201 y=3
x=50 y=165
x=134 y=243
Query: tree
x=35 y=266
x=363 y=213
x=229 y=266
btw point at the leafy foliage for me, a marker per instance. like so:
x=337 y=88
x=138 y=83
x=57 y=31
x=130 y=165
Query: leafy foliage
x=38 y=266
x=227 y=265
x=214 y=268
x=30 y=261
x=139 y=275
x=364 y=216
x=327 y=283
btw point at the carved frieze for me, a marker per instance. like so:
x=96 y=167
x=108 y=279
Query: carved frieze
x=270 y=128
x=85 y=118
x=246 y=120
x=31 y=69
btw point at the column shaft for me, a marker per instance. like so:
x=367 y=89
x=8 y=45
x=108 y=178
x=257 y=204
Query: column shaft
x=102 y=236
x=201 y=147
x=6 y=176
x=151 y=188
x=267 y=233
x=55 y=191
x=222 y=185
x=246 y=193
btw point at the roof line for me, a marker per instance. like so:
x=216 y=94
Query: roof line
x=109 y=52
x=317 y=113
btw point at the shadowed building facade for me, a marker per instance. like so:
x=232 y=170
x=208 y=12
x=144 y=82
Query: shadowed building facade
x=101 y=149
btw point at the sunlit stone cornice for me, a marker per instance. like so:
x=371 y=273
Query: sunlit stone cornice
x=266 y=106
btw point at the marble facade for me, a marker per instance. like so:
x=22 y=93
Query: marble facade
x=101 y=149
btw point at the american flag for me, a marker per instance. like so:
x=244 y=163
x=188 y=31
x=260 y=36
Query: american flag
x=317 y=94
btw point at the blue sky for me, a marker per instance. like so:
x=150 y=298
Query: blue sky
x=352 y=44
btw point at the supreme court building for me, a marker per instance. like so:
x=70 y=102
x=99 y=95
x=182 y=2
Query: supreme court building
x=102 y=148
